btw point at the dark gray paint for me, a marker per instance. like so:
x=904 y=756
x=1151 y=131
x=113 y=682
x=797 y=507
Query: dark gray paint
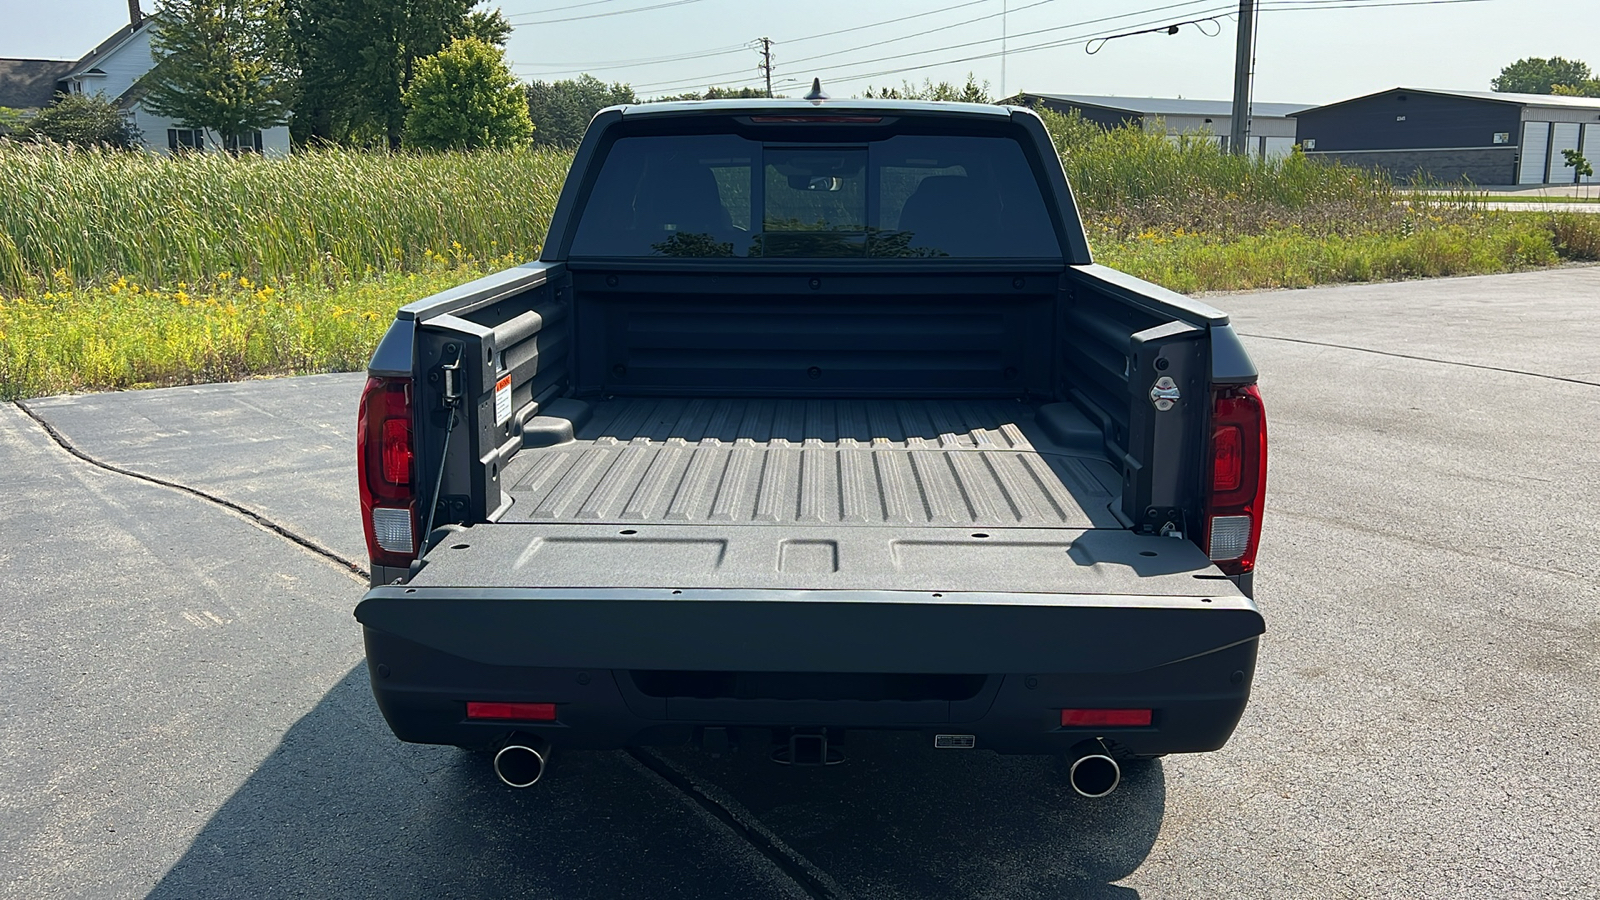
x=1431 y=121
x=1482 y=166
x=655 y=559
x=812 y=631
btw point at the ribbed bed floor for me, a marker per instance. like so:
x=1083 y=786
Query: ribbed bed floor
x=977 y=463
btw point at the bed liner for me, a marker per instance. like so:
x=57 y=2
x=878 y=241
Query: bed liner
x=686 y=461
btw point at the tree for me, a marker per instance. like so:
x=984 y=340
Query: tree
x=11 y=121
x=717 y=93
x=1579 y=166
x=465 y=98
x=1589 y=88
x=219 y=66
x=561 y=110
x=357 y=58
x=84 y=120
x=971 y=92
x=489 y=26
x=1540 y=76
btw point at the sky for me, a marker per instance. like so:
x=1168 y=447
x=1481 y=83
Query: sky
x=1304 y=53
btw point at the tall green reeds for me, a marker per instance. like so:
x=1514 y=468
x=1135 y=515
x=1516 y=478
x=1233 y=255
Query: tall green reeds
x=89 y=216
x=1128 y=180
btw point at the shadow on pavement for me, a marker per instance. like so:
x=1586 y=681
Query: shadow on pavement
x=900 y=819
x=340 y=808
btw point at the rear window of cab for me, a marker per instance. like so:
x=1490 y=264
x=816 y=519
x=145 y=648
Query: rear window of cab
x=905 y=196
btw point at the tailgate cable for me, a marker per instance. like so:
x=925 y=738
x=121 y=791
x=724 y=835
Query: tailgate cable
x=452 y=399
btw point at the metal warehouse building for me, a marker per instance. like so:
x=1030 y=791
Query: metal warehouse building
x=1272 y=131
x=1486 y=137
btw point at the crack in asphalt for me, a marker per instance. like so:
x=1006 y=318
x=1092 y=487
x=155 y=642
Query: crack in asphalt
x=1442 y=362
x=810 y=879
x=330 y=555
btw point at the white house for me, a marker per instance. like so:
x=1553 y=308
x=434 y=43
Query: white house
x=1271 y=131
x=113 y=68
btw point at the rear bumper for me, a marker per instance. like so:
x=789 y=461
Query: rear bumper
x=1190 y=660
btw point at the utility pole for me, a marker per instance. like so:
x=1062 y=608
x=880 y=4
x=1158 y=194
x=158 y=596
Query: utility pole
x=766 y=62
x=1243 y=63
x=1005 y=7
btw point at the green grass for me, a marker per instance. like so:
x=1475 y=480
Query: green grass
x=131 y=270
x=120 y=335
x=1291 y=258
x=91 y=217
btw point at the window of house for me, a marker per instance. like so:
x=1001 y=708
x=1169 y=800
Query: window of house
x=249 y=142
x=184 y=139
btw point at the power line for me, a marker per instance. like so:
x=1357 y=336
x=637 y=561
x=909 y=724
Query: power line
x=564 y=67
x=1140 y=12
x=667 y=86
x=1305 y=5
x=810 y=37
x=604 y=15
x=556 y=9
x=920 y=15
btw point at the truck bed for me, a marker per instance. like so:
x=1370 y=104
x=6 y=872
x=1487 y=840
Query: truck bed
x=983 y=496
x=957 y=463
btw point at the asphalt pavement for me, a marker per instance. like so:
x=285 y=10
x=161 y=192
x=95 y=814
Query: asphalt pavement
x=188 y=714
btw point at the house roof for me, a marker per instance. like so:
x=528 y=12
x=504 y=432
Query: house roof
x=106 y=48
x=1492 y=96
x=31 y=83
x=1170 y=106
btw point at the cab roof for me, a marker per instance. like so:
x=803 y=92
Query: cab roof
x=761 y=106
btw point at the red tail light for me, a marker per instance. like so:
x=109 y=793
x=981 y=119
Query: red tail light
x=385 y=460
x=1077 y=718
x=1238 y=482
x=531 y=712
x=837 y=120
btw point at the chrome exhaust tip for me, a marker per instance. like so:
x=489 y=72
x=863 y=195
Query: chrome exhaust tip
x=1094 y=773
x=520 y=764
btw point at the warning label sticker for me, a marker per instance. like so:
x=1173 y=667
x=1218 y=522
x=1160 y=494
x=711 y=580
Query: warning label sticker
x=502 y=400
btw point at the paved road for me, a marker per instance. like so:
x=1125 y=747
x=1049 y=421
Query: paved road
x=188 y=715
x=1534 y=206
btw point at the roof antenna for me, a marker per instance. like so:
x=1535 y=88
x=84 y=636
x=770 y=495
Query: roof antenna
x=817 y=93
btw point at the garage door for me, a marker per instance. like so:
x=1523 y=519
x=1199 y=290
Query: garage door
x=1277 y=147
x=1564 y=136
x=1591 y=151
x=1535 y=152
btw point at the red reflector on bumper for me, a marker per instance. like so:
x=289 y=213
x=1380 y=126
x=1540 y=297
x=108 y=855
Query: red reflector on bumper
x=1078 y=717
x=535 y=712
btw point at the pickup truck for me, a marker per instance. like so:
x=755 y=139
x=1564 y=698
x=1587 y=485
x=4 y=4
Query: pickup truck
x=813 y=416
